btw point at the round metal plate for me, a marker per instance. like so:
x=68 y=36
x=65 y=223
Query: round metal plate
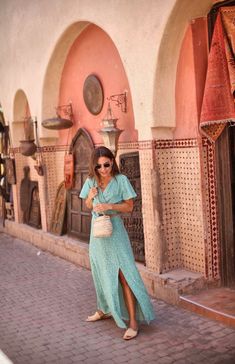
x=93 y=94
x=57 y=123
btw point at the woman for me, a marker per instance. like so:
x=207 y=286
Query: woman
x=119 y=288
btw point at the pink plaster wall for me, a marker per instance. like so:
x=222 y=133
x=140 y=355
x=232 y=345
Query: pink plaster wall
x=190 y=79
x=93 y=52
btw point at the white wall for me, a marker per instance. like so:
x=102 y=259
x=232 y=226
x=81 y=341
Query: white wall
x=31 y=29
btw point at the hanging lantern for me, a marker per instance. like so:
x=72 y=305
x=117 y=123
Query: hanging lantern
x=110 y=132
x=27 y=147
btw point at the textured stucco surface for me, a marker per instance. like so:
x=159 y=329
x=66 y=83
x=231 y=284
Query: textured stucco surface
x=147 y=35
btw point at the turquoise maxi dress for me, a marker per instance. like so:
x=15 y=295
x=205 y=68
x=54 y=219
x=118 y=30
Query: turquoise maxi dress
x=110 y=255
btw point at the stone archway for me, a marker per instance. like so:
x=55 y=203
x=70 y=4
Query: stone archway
x=167 y=60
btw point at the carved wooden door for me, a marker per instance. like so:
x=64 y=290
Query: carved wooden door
x=34 y=212
x=225 y=175
x=129 y=165
x=79 y=217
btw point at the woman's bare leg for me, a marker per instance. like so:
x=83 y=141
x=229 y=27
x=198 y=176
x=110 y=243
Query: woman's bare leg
x=130 y=301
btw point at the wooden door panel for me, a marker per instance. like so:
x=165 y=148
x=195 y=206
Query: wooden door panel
x=225 y=192
x=79 y=216
x=85 y=224
x=75 y=223
x=74 y=202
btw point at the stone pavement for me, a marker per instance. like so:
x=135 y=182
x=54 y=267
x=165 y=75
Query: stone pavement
x=44 y=301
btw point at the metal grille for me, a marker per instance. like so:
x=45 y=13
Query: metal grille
x=129 y=165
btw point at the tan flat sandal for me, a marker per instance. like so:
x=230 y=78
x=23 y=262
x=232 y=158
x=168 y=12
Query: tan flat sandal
x=130 y=334
x=98 y=316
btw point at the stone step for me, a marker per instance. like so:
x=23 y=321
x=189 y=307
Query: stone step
x=215 y=303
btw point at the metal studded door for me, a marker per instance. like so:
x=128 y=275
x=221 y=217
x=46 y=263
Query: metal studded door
x=79 y=217
x=129 y=165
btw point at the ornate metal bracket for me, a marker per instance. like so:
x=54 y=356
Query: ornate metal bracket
x=121 y=100
x=65 y=110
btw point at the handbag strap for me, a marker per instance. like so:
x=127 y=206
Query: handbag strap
x=99 y=190
x=97 y=197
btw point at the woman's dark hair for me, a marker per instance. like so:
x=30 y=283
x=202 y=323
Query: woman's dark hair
x=102 y=152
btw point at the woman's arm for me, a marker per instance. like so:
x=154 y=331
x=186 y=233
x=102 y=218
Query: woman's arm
x=125 y=206
x=89 y=201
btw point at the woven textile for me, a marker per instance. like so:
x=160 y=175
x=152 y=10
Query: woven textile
x=228 y=21
x=218 y=102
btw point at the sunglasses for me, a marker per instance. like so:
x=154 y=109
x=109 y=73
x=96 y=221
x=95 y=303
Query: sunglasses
x=105 y=165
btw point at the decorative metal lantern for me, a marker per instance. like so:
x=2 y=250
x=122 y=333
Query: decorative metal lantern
x=110 y=132
x=27 y=146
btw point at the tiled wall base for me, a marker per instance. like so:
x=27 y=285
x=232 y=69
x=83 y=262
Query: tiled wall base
x=167 y=287
x=180 y=205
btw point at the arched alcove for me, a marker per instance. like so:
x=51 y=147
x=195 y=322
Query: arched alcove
x=53 y=73
x=165 y=78
x=58 y=78
x=21 y=111
x=93 y=53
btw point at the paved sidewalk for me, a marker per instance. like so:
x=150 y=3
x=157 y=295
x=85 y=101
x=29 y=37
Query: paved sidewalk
x=44 y=301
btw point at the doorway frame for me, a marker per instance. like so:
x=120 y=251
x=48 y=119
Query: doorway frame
x=225 y=208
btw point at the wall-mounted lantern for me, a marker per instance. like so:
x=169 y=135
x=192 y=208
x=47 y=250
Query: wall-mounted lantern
x=110 y=132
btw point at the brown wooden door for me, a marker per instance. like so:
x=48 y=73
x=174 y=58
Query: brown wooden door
x=225 y=173
x=129 y=165
x=79 y=217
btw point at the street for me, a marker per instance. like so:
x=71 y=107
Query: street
x=44 y=301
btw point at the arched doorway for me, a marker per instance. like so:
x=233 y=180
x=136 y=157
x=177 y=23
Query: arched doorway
x=225 y=177
x=79 y=217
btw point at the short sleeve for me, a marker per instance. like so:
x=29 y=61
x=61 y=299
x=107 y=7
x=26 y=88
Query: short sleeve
x=85 y=188
x=127 y=189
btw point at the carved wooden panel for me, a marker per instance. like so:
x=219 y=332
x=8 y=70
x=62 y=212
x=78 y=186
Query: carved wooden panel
x=25 y=194
x=10 y=171
x=29 y=200
x=34 y=213
x=68 y=170
x=225 y=161
x=58 y=214
x=129 y=165
x=79 y=217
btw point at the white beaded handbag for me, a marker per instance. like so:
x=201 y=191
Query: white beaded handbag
x=102 y=226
